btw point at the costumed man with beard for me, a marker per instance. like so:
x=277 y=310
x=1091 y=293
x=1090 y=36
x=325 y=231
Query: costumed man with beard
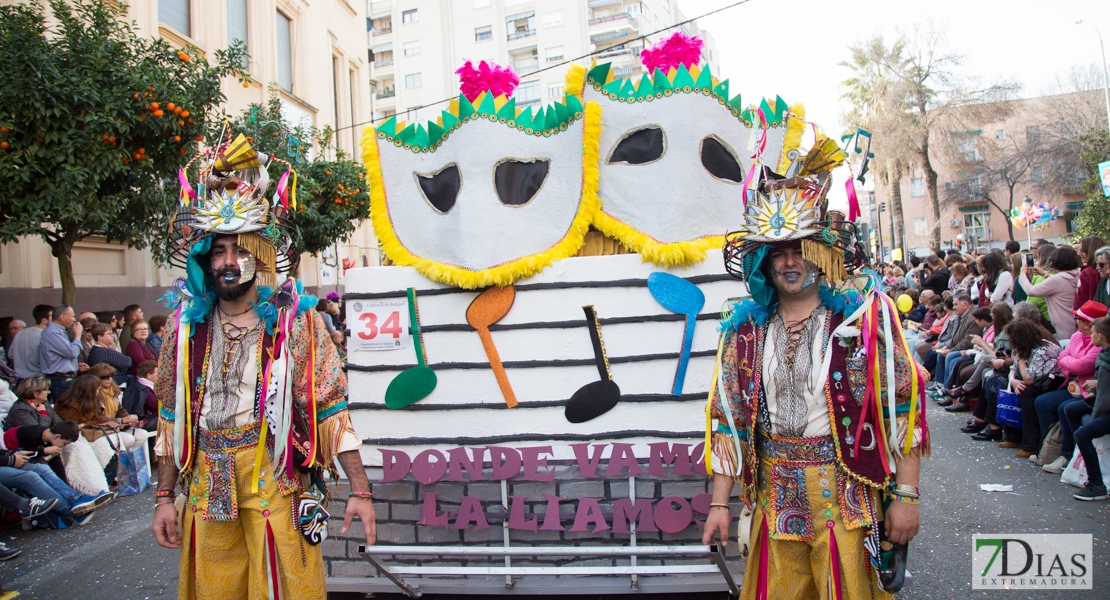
x=252 y=392
x=815 y=410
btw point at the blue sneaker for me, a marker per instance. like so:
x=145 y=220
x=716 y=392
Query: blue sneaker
x=83 y=519
x=86 y=503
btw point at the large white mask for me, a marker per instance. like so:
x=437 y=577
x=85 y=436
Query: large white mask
x=489 y=198
x=674 y=156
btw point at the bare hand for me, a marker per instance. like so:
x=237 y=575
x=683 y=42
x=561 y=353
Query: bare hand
x=131 y=420
x=998 y=363
x=717 y=521
x=77 y=329
x=1090 y=385
x=52 y=450
x=82 y=367
x=1039 y=271
x=364 y=508
x=21 y=458
x=1017 y=386
x=976 y=340
x=165 y=526
x=902 y=522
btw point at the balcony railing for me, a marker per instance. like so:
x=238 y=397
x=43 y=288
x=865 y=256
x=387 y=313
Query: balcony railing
x=620 y=52
x=621 y=71
x=383 y=63
x=610 y=18
x=378 y=32
x=386 y=94
x=521 y=103
x=521 y=34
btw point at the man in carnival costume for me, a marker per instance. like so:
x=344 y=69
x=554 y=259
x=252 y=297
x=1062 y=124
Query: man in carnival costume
x=253 y=407
x=815 y=409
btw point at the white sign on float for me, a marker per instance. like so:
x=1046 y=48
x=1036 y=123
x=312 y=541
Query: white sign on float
x=378 y=324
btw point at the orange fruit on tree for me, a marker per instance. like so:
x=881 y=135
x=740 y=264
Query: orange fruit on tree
x=158 y=113
x=327 y=172
x=169 y=106
x=4 y=130
x=5 y=145
x=149 y=89
x=142 y=117
x=136 y=97
x=177 y=138
x=182 y=152
x=154 y=105
x=190 y=119
x=246 y=84
x=185 y=113
x=112 y=139
x=200 y=138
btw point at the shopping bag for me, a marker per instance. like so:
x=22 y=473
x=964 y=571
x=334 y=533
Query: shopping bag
x=1009 y=409
x=132 y=475
x=1076 y=471
x=1050 y=449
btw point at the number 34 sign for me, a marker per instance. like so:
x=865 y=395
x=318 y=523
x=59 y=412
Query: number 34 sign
x=378 y=324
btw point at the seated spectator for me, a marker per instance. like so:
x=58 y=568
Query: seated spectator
x=1077 y=364
x=960 y=340
x=1042 y=254
x=131 y=313
x=28 y=508
x=1077 y=434
x=157 y=330
x=7 y=398
x=936 y=275
x=322 y=308
x=957 y=360
x=31 y=407
x=139 y=399
x=43 y=442
x=337 y=339
x=84 y=404
x=112 y=398
x=961 y=277
x=105 y=349
x=1058 y=290
x=920 y=305
x=1036 y=370
x=138 y=350
x=998 y=282
x=992 y=353
x=944 y=327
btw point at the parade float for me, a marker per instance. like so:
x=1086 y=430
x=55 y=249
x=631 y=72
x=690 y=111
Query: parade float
x=530 y=375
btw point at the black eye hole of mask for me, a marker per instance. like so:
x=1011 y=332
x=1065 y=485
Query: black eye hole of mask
x=720 y=161
x=639 y=147
x=441 y=188
x=518 y=181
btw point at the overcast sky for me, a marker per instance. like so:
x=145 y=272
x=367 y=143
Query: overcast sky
x=793 y=48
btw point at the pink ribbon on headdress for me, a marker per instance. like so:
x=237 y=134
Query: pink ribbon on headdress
x=762 y=145
x=186 y=189
x=853 y=201
x=281 y=190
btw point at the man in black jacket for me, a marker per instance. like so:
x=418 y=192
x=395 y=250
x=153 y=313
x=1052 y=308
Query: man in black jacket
x=936 y=275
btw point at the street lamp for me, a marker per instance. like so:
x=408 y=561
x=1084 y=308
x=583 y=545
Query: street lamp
x=1105 y=73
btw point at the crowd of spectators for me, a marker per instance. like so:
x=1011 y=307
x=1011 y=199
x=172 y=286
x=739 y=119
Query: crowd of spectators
x=1033 y=324
x=74 y=391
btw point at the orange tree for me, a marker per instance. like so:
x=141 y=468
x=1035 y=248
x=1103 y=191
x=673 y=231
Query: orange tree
x=332 y=194
x=95 y=121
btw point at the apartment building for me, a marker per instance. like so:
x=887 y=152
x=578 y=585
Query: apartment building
x=964 y=160
x=316 y=56
x=416 y=45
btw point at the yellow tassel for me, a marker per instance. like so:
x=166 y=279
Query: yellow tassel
x=259 y=456
x=504 y=274
x=575 y=79
x=828 y=259
x=164 y=437
x=330 y=432
x=265 y=255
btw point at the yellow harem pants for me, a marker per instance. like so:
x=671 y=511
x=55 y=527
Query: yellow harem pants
x=803 y=503
x=259 y=554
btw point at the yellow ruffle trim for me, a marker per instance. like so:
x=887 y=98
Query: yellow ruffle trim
x=507 y=273
x=659 y=253
x=575 y=79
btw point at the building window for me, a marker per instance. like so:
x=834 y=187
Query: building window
x=285 y=51
x=412 y=48
x=1036 y=176
x=237 y=25
x=555 y=91
x=412 y=80
x=1000 y=134
x=967 y=148
x=526 y=62
x=1033 y=134
x=483 y=33
x=175 y=13
x=976 y=225
x=521 y=25
x=555 y=54
x=409 y=16
x=974 y=188
x=528 y=93
x=917 y=187
x=413 y=115
x=554 y=19
x=921 y=226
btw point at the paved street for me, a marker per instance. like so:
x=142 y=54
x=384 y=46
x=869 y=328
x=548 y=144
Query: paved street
x=115 y=556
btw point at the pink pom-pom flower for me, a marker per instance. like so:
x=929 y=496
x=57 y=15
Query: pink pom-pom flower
x=679 y=49
x=491 y=78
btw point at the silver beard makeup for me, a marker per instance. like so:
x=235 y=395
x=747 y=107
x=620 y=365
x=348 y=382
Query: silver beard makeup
x=812 y=272
x=247 y=266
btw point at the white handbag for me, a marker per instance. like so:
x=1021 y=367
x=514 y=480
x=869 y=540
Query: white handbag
x=744 y=527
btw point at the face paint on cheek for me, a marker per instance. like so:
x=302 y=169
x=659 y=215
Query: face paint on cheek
x=246 y=268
